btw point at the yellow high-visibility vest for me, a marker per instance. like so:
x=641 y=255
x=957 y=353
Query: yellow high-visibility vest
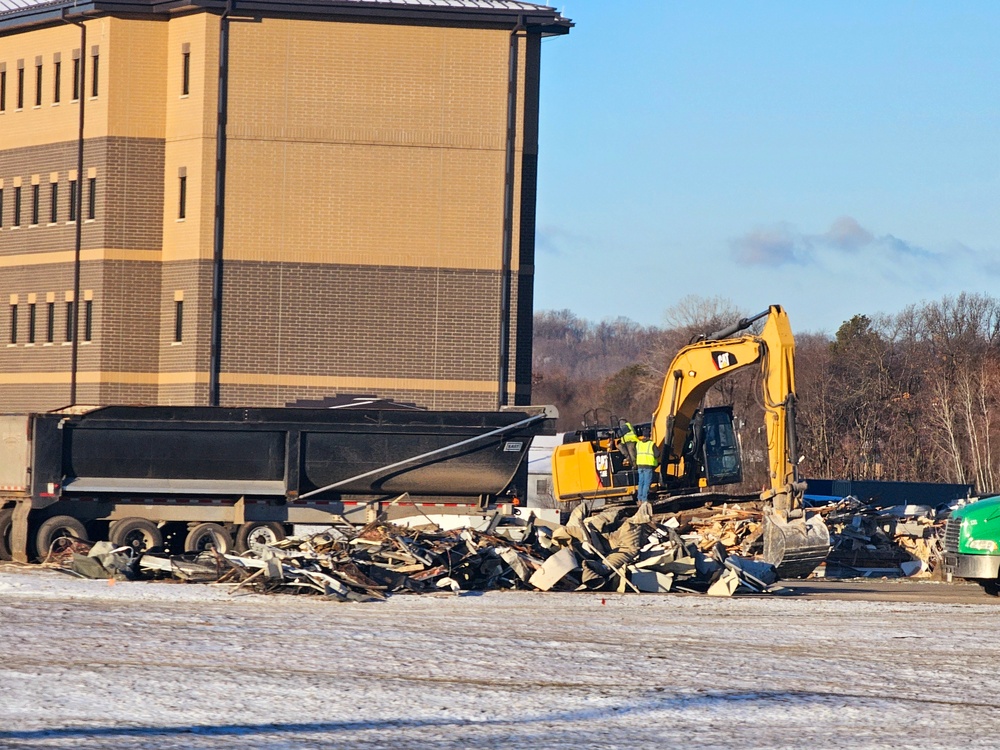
x=644 y=453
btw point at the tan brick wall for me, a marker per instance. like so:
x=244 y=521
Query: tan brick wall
x=51 y=122
x=364 y=223
x=366 y=144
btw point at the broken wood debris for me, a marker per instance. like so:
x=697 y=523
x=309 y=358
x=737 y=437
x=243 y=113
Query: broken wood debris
x=623 y=548
x=872 y=541
x=612 y=548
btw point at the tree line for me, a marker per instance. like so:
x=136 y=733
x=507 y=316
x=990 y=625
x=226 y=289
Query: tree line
x=912 y=396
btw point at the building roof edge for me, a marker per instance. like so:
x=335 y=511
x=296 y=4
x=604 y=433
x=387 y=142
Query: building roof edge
x=20 y=14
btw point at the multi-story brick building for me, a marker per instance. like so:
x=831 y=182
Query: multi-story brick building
x=251 y=202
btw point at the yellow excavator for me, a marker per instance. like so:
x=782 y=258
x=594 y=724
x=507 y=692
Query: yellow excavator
x=698 y=445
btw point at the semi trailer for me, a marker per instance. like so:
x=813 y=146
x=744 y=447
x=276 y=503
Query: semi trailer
x=186 y=477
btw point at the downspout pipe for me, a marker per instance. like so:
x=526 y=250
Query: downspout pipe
x=78 y=240
x=503 y=354
x=215 y=352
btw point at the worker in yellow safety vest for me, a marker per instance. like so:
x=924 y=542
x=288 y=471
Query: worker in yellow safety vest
x=628 y=440
x=647 y=458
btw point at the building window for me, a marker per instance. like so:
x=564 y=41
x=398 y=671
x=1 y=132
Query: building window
x=3 y=90
x=56 y=81
x=20 y=88
x=182 y=202
x=13 y=323
x=92 y=198
x=54 y=208
x=38 y=85
x=69 y=321
x=31 y=323
x=88 y=320
x=35 y=200
x=76 y=79
x=50 y=324
x=179 y=321
x=1 y=208
x=17 y=206
x=93 y=74
x=72 y=200
x=185 y=73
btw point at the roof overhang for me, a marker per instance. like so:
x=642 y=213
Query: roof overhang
x=21 y=14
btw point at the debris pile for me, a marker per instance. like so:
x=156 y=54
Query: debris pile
x=615 y=548
x=872 y=541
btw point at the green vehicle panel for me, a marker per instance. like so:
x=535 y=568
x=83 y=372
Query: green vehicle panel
x=972 y=541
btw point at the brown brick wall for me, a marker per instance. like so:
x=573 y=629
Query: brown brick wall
x=129 y=196
x=125 y=298
x=351 y=320
x=431 y=399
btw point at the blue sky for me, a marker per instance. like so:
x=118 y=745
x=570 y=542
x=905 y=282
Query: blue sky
x=833 y=157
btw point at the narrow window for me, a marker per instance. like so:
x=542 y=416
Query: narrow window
x=69 y=321
x=38 y=85
x=76 y=79
x=179 y=321
x=92 y=198
x=1 y=208
x=57 y=81
x=182 y=207
x=186 y=73
x=13 y=323
x=72 y=200
x=31 y=323
x=88 y=320
x=3 y=90
x=35 y=200
x=93 y=75
x=20 y=88
x=17 y=206
x=54 y=207
x=50 y=324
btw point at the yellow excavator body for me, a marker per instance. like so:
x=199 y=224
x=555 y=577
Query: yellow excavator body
x=698 y=447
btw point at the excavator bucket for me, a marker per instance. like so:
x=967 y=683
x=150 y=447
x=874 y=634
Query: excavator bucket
x=795 y=548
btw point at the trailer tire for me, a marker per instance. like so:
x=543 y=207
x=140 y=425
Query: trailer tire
x=138 y=533
x=55 y=528
x=255 y=534
x=6 y=523
x=991 y=586
x=206 y=536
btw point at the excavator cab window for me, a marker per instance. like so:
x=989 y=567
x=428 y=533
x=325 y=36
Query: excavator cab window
x=720 y=451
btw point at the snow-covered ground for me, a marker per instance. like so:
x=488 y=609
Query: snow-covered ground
x=86 y=664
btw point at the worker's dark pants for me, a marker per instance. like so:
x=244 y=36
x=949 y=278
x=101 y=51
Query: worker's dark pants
x=645 y=480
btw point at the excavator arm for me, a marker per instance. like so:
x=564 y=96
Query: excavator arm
x=700 y=365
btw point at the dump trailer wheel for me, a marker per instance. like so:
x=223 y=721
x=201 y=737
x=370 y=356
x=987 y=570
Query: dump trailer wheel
x=138 y=533
x=55 y=528
x=256 y=534
x=206 y=536
x=6 y=523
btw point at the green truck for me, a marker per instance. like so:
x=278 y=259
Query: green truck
x=972 y=544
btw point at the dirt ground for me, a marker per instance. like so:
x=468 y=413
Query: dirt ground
x=860 y=664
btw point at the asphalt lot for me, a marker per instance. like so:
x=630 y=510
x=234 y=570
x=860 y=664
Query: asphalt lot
x=891 y=590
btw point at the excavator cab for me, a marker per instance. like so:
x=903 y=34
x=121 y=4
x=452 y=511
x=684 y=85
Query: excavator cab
x=720 y=452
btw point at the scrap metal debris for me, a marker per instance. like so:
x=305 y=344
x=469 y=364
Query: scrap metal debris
x=623 y=548
x=616 y=548
x=869 y=540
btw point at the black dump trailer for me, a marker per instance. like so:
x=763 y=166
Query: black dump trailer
x=186 y=477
